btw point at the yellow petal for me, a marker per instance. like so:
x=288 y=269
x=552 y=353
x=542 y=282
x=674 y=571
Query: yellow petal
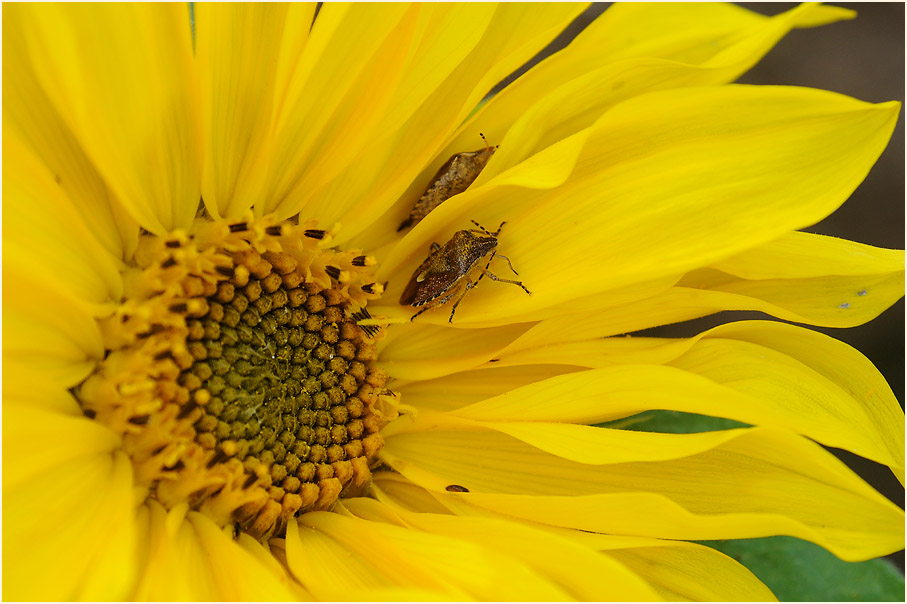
x=174 y=564
x=47 y=328
x=426 y=351
x=427 y=45
x=582 y=573
x=682 y=571
x=573 y=237
x=121 y=77
x=327 y=69
x=272 y=556
x=464 y=388
x=688 y=32
x=810 y=278
x=400 y=131
x=77 y=516
x=327 y=568
x=30 y=121
x=671 y=47
x=758 y=372
x=27 y=385
x=242 y=52
x=63 y=438
x=868 y=419
x=237 y=574
x=418 y=559
x=675 y=569
x=762 y=482
x=45 y=233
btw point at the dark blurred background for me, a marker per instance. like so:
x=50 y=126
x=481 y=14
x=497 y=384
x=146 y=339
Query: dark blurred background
x=862 y=58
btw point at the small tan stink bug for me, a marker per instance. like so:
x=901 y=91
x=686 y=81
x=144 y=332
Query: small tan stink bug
x=445 y=273
x=452 y=178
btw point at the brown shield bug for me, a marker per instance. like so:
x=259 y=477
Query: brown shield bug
x=445 y=273
x=452 y=178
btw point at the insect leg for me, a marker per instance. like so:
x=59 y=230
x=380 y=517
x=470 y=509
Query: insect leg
x=436 y=303
x=468 y=287
x=494 y=277
x=419 y=313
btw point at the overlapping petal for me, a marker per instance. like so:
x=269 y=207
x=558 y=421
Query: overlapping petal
x=586 y=215
x=760 y=373
x=760 y=482
x=77 y=514
x=675 y=569
x=615 y=59
x=31 y=121
x=581 y=572
x=121 y=79
x=115 y=124
x=47 y=328
x=389 y=555
x=378 y=163
x=245 y=56
x=39 y=216
x=187 y=557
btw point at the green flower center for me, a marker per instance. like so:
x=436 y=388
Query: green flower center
x=238 y=376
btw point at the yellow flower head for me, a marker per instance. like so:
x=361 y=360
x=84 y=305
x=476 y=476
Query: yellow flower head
x=281 y=325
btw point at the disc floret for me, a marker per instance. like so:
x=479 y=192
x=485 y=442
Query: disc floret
x=237 y=375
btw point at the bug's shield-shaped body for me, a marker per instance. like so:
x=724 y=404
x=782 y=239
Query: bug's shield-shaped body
x=446 y=266
x=452 y=178
x=445 y=273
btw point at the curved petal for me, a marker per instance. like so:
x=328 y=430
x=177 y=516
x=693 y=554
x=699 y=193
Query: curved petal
x=458 y=390
x=692 y=32
x=769 y=161
x=799 y=277
x=33 y=126
x=28 y=385
x=327 y=568
x=461 y=52
x=687 y=571
x=64 y=438
x=396 y=80
x=809 y=279
x=47 y=328
x=868 y=404
x=121 y=78
x=626 y=52
x=427 y=351
x=762 y=482
x=242 y=52
x=187 y=557
x=45 y=234
x=757 y=372
x=405 y=557
x=238 y=574
x=583 y=573
x=92 y=542
x=675 y=569
x=174 y=566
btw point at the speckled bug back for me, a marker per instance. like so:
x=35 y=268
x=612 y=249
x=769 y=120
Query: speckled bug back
x=445 y=272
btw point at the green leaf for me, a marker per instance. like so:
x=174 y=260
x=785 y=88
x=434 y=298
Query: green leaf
x=673 y=422
x=798 y=571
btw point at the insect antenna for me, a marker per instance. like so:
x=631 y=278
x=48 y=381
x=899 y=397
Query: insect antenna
x=486 y=231
x=513 y=270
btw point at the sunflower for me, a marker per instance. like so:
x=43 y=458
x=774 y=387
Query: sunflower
x=220 y=225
